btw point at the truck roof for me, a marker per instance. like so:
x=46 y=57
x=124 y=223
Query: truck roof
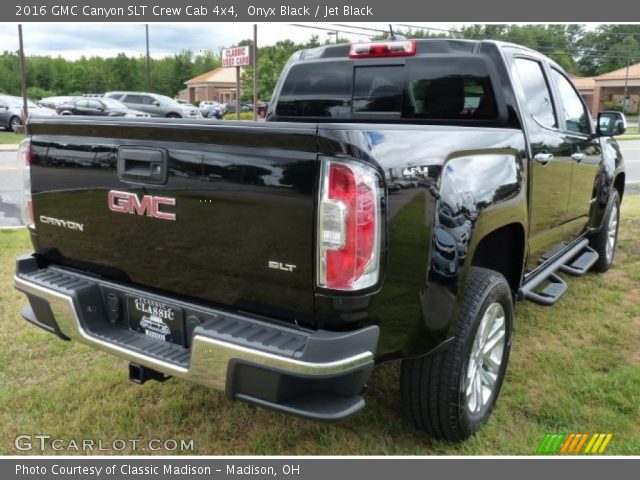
x=423 y=46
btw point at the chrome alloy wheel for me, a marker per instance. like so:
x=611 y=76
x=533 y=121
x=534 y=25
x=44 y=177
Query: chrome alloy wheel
x=485 y=359
x=16 y=123
x=612 y=233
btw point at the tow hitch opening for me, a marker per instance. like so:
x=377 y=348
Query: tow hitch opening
x=139 y=374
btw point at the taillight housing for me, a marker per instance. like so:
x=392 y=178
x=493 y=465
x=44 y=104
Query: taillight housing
x=24 y=167
x=402 y=48
x=349 y=226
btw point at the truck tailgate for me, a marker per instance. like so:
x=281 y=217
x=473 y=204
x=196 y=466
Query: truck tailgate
x=231 y=222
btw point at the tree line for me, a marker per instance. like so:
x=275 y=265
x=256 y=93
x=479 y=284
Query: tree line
x=49 y=76
x=581 y=51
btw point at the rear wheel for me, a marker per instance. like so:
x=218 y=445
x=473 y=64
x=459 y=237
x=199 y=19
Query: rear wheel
x=173 y=115
x=15 y=123
x=605 y=241
x=451 y=393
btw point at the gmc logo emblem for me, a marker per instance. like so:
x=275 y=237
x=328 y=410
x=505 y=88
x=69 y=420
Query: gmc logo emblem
x=125 y=202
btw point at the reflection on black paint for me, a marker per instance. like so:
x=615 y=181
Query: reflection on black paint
x=468 y=185
x=435 y=202
x=258 y=208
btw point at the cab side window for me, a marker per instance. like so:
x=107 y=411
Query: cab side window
x=535 y=89
x=575 y=114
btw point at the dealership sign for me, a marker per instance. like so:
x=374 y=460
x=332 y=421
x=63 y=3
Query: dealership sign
x=236 y=57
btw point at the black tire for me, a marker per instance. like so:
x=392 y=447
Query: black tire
x=600 y=239
x=15 y=123
x=433 y=387
x=173 y=115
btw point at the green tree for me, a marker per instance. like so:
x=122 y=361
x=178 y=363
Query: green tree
x=608 y=48
x=125 y=73
x=271 y=62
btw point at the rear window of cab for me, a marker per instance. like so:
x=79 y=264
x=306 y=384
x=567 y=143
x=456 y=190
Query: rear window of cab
x=428 y=88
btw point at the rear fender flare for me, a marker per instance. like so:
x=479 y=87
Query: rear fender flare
x=479 y=193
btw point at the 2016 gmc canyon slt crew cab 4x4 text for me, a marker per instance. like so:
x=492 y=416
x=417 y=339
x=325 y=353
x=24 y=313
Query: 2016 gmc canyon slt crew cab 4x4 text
x=400 y=198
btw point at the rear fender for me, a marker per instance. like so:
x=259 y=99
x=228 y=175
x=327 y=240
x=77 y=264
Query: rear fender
x=479 y=193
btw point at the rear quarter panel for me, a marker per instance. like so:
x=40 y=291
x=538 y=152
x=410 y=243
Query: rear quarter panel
x=447 y=188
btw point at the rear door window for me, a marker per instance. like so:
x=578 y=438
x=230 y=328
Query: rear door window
x=535 y=91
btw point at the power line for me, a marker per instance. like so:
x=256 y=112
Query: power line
x=331 y=30
x=362 y=28
x=421 y=27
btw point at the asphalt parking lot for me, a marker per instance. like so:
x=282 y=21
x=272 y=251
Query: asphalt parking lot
x=10 y=189
x=631 y=152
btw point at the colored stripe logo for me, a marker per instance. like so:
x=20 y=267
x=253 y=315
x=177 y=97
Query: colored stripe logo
x=574 y=443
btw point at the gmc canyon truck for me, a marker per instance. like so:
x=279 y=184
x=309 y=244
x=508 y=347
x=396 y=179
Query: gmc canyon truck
x=397 y=202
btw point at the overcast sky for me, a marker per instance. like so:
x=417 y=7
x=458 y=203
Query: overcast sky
x=72 y=40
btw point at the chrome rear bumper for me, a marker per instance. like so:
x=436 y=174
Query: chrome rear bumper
x=212 y=360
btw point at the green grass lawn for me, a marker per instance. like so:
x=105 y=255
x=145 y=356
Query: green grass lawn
x=575 y=367
x=234 y=116
x=9 y=138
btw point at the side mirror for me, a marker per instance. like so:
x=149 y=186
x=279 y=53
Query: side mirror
x=611 y=123
x=156 y=103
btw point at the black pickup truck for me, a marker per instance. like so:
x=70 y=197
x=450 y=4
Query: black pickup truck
x=399 y=199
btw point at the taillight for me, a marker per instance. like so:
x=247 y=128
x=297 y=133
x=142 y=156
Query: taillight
x=24 y=166
x=404 y=48
x=348 y=226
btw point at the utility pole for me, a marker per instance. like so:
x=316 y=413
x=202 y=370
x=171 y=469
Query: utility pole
x=237 y=93
x=146 y=28
x=23 y=77
x=255 y=72
x=626 y=89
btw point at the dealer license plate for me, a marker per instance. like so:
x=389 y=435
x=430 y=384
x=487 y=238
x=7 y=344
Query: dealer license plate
x=156 y=319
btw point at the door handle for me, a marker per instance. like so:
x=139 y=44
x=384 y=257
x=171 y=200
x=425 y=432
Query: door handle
x=578 y=157
x=143 y=165
x=543 y=158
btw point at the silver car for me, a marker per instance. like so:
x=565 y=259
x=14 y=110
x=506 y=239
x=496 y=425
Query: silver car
x=154 y=104
x=11 y=112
